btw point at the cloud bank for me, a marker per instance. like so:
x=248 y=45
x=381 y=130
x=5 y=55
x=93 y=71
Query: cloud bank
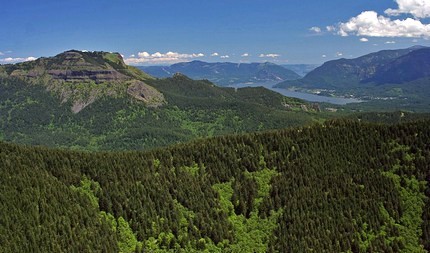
x=372 y=24
x=15 y=60
x=160 y=58
x=417 y=8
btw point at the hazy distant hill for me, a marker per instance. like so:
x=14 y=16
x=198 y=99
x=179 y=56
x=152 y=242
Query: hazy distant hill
x=225 y=73
x=92 y=100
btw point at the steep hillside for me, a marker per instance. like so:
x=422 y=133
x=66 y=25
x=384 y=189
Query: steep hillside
x=348 y=73
x=225 y=73
x=407 y=68
x=341 y=186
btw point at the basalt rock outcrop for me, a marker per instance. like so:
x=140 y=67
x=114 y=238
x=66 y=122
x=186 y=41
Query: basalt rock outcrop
x=80 y=78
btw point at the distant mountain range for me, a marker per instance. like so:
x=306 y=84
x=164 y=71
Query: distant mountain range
x=225 y=73
x=389 y=74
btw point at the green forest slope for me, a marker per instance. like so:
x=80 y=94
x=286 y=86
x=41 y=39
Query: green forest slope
x=31 y=114
x=341 y=186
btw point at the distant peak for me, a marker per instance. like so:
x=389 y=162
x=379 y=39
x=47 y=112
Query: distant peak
x=417 y=47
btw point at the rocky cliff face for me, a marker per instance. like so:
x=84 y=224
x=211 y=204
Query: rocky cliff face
x=83 y=77
x=97 y=76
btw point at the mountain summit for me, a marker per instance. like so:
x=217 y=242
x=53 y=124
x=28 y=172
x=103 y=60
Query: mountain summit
x=83 y=77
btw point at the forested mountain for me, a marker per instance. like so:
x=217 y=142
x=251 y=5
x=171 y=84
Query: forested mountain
x=225 y=73
x=341 y=186
x=348 y=73
x=92 y=100
x=396 y=79
x=407 y=68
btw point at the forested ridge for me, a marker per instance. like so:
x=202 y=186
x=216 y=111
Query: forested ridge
x=94 y=101
x=30 y=114
x=340 y=186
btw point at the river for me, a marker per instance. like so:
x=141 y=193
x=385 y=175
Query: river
x=302 y=95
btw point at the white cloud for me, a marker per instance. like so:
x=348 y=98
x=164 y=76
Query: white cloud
x=315 y=29
x=339 y=54
x=364 y=39
x=370 y=23
x=269 y=55
x=214 y=54
x=245 y=55
x=390 y=42
x=417 y=8
x=143 y=55
x=18 y=59
x=158 y=58
x=225 y=56
x=132 y=55
x=324 y=56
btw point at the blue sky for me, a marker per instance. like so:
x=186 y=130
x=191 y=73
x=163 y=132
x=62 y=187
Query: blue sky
x=166 y=31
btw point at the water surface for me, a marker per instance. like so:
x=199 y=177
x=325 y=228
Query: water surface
x=302 y=95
